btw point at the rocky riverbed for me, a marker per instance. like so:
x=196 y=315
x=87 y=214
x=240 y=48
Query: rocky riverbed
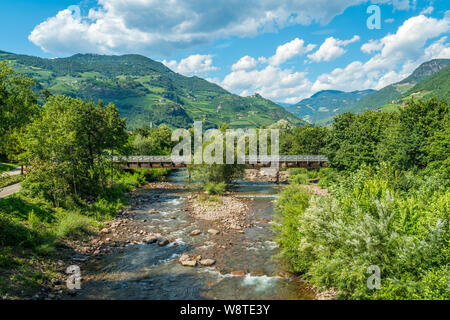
x=175 y=244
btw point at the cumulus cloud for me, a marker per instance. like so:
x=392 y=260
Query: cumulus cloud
x=245 y=63
x=289 y=50
x=196 y=64
x=396 y=56
x=331 y=49
x=271 y=82
x=160 y=27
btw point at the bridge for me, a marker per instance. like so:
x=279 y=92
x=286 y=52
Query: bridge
x=285 y=161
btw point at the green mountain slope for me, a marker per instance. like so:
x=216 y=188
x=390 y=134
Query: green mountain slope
x=324 y=105
x=146 y=91
x=391 y=93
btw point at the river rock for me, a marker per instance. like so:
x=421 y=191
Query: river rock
x=207 y=262
x=213 y=232
x=188 y=263
x=163 y=242
x=184 y=257
x=104 y=230
x=195 y=233
x=239 y=273
x=150 y=239
x=152 y=211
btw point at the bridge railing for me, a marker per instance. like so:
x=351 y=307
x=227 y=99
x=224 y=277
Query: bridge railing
x=248 y=159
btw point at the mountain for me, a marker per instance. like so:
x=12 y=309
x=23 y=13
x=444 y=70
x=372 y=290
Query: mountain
x=391 y=93
x=324 y=105
x=146 y=91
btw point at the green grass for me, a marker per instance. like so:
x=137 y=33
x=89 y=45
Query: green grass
x=10 y=180
x=5 y=167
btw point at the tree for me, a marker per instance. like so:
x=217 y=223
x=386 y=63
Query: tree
x=419 y=121
x=353 y=139
x=18 y=106
x=307 y=140
x=69 y=146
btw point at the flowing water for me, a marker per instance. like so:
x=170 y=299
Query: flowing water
x=148 y=271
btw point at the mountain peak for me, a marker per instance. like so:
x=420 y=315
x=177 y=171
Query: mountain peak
x=425 y=69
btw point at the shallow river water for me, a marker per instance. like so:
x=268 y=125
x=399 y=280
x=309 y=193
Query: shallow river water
x=148 y=271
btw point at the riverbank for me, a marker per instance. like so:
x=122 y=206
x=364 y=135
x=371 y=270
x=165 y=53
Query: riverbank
x=165 y=228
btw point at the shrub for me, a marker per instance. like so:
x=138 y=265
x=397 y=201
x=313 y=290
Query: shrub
x=298 y=179
x=368 y=221
x=72 y=225
x=215 y=188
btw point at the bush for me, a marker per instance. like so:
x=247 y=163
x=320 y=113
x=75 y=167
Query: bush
x=366 y=221
x=72 y=225
x=298 y=179
x=215 y=188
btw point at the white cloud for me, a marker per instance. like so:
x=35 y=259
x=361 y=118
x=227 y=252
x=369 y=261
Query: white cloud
x=396 y=56
x=160 y=27
x=427 y=10
x=245 y=63
x=289 y=50
x=271 y=82
x=196 y=64
x=331 y=49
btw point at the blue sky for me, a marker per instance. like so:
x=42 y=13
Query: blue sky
x=284 y=50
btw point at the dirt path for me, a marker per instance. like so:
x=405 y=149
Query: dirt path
x=9 y=190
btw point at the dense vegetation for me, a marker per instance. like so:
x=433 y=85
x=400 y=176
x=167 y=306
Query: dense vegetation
x=388 y=206
x=145 y=91
x=71 y=184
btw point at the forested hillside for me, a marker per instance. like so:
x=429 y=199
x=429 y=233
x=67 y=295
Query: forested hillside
x=324 y=105
x=146 y=91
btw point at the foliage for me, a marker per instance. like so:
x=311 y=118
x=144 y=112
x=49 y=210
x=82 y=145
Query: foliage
x=307 y=140
x=72 y=225
x=152 y=142
x=215 y=188
x=4 y=167
x=17 y=108
x=67 y=149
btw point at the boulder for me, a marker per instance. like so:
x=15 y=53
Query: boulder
x=163 y=242
x=207 y=262
x=150 y=239
x=188 y=263
x=184 y=257
x=239 y=273
x=195 y=233
x=213 y=232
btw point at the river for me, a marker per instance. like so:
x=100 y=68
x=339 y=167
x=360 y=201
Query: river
x=148 y=271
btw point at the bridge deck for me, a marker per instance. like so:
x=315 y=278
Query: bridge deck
x=285 y=161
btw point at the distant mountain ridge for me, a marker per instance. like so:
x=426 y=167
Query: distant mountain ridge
x=146 y=91
x=322 y=106
x=393 y=92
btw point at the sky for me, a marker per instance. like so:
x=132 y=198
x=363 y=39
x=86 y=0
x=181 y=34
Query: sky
x=285 y=50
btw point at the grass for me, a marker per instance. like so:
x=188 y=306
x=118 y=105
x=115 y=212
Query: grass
x=5 y=167
x=10 y=180
x=31 y=230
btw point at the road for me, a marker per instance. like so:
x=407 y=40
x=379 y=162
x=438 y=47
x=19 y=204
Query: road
x=9 y=190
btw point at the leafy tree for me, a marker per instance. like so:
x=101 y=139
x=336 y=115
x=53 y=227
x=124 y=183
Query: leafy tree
x=18 y=105
x=419 y=121
x=305 y=140
x=353 y=139
x=68 y=148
